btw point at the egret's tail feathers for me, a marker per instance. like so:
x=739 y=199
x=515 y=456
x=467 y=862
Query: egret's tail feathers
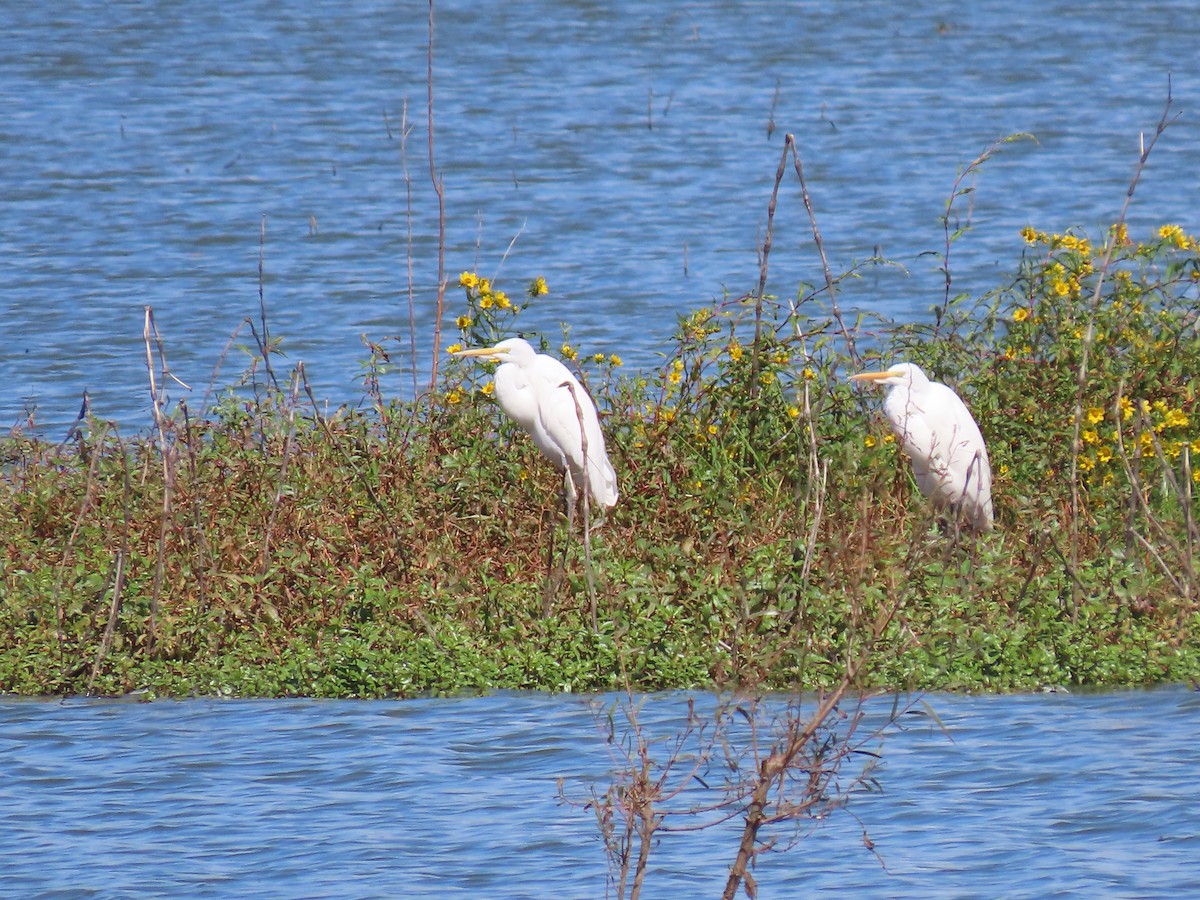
x=602 y=483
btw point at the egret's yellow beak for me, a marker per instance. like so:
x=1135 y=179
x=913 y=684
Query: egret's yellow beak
x=872 y=376
x=485 y=352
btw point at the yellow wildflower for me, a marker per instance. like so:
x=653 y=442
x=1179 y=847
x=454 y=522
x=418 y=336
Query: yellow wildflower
x=1176 y=418
x=454 y=348
x=808 y=374
x=615 y=360
x=712 y=429
x=1029 y=234
x=485 y=285
x=1090 y=436
x=1020 y=315
x=485 y=301
x=1126 y=408
x=869 y=440
x=1086 y=464
x=463 y=322
x=597 y=358
x=1003 y=469
x=538 y=287
x=1173 y=234
x=1095 y=415
x=735 y=351
x=889 y=439
x=569 y=352
x=502 y=300
x=1104 y=454
x=793 y=412
x=454 y=397
x=767 y=377
x=488 y=389
x=1121 y=235
x=468 y=280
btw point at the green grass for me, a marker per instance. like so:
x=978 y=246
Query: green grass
x=768 y=529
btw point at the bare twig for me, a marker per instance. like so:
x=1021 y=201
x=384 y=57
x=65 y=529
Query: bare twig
x=440 y=309
x=264 y=560
x=408 y=243
x=1090 y=332
x=265 y=345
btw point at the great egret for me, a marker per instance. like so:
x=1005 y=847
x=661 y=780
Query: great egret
x=936 y=430
x=541 y=395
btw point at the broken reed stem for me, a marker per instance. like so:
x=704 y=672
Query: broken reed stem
x=89 y=493
x=197 y=517
x=281 y=481
x=440 y=308
x=1090 y=332
x=408 y=243
x=118 y=581
x=153 y=340
x=761 y=291
x=829 y=279
x=264 y=346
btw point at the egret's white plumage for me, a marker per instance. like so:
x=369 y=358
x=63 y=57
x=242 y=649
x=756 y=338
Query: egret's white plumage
x=937 y=431
x=541 y=395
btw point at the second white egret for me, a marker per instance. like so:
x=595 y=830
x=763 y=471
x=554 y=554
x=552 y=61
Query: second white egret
x=939 y=434
x=541 y=395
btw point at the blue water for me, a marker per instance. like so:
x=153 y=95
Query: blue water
x=1019 y=796
x=622 y=149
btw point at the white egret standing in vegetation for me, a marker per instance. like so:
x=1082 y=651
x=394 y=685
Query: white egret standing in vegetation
x=937 y=431
x=541 y=395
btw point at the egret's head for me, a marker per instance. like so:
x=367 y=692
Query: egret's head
x=511 y=350
x=900 y=373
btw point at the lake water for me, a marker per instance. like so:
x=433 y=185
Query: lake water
x=622 y=148
x=1015 y=796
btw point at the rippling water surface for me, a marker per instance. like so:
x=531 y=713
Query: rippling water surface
x=624 y=146
x=1081 y=795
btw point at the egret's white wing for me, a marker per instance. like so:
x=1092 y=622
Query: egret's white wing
x=949 y=457
x=564 y=427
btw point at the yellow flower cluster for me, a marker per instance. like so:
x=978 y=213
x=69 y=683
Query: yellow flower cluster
x=676 y=374
x=538 y=287
x=483 y=293
x=569 y=352
x=1174 y=235
x=1070 y=242
x=1103 y=445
